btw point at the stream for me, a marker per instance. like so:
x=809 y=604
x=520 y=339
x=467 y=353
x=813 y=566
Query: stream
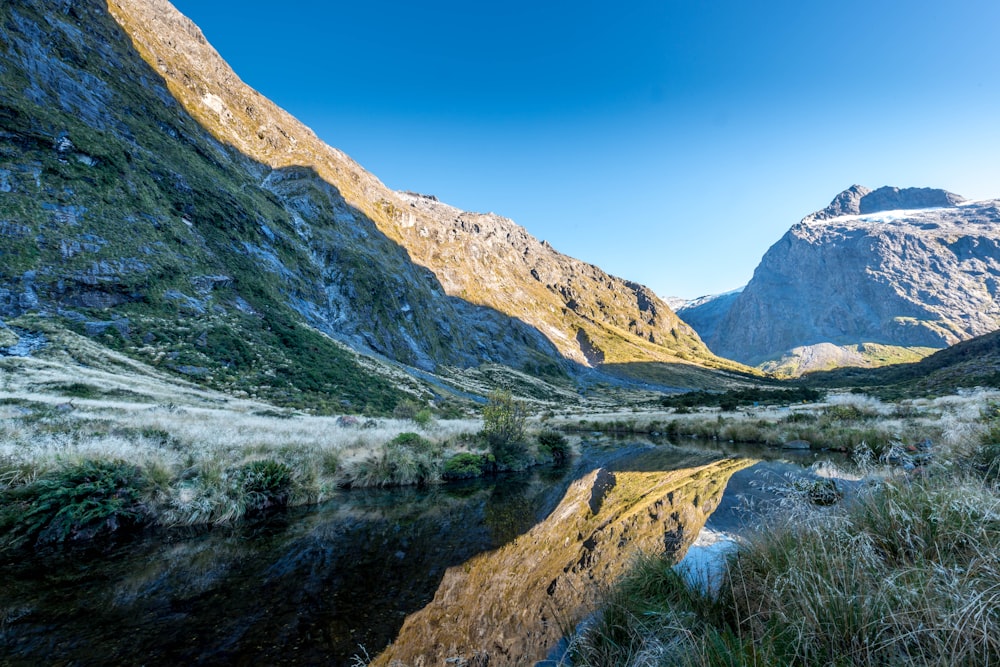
x=500 y=568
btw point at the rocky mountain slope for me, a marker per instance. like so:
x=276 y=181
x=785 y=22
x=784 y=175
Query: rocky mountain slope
x=705 y=313
x=150 y=199
x=874 y=272
x=486 y=260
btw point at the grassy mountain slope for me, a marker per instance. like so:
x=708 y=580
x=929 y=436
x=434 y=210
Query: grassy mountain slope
x=589 y=316
x=164 y=209
x=971 y=363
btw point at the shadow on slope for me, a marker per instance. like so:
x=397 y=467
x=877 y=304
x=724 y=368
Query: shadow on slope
x=971 y=363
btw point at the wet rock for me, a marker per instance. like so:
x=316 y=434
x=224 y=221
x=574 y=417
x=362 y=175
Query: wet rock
x=823 y=492
x=796 y=444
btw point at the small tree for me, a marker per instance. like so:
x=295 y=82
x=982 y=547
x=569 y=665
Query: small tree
x=503 y=427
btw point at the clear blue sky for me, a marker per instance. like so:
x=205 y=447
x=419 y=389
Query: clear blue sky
x=670 y=142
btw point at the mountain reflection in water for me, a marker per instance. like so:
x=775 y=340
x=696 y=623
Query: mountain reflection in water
x=501 y=566
x=511 y=605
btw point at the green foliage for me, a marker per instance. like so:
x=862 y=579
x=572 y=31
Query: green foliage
x=466 y=466
x=77 y=390
x=848 y=412
x=423 y=418
x=90 y=499
x=800 y=418
x=405 y=409
x=397 y=464
x=503 y=427
x=554 y=444
x=416 y=443
x=734 y=398
x=265 y=483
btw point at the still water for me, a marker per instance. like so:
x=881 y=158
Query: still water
x=500 y=568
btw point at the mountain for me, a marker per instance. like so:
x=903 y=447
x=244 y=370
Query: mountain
x=876 y=277
x=151 y=200
x=705 y=313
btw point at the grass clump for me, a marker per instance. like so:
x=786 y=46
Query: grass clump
x=83 y=501
x=264 y=484
x=395 y=464
x=905 y=575
x=415 y=443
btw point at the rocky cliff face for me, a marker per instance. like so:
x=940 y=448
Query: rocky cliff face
x=892 y=267
x=486 y=260
x=151 y=199
x=705 y=313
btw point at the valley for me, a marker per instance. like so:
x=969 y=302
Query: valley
x=258 y=407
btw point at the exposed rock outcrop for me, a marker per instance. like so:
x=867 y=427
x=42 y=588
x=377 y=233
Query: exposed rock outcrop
x=909 y=267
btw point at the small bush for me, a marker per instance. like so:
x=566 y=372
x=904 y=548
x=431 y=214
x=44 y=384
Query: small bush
x=405 y=409
x=503 y=428
x=465 y=466
x=800 y=418
x=423 y=418
x=265 y=484
x=848 y=412
x=91 y=499
x=413 y=442
x=554 y=445
x=396 y=465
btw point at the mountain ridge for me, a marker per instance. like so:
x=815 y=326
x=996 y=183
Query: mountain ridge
x=203 y=243
x=234 y=112
x=865 y=272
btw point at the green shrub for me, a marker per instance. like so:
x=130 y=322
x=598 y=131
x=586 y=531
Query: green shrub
x=800 y=418
x=554 y=445
x=396 y=465
x=423 y=418
x=265 y=483
x=405 y=409
x=466 y=466
x=413 y=442
x=87 y=500
x=503 y=428
x=848 y=412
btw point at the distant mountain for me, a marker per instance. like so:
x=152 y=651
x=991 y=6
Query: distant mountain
x=705 y=313
x=151 y=200
x=877 y=276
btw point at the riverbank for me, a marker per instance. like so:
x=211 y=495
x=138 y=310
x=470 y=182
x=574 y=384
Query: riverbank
x=904 y=574
x=75 y=467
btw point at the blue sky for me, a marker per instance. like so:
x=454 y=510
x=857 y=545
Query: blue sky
x=670 y=142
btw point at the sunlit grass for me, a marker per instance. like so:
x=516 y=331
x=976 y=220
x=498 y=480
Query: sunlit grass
x=903 y=573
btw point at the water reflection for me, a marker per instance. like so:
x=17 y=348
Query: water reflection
x=314 y=586
x=511 y=605
x=308 y=588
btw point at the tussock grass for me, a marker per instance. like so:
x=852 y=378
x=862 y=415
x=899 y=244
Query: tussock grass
x=78 y=502
x=207 y=457
x=905 y=574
